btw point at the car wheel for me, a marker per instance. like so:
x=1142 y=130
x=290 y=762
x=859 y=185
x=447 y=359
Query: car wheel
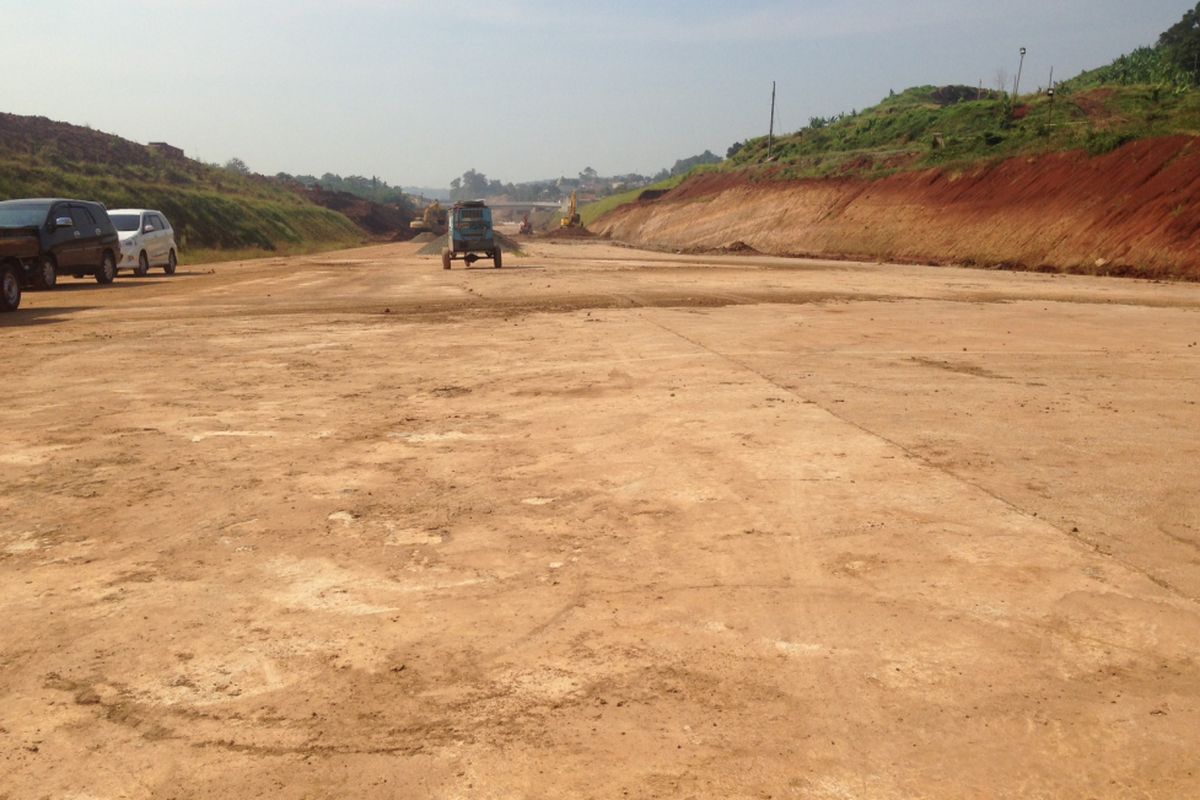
x=172 y=262
x=108 y=269
x=143 y=265
x=445 y=259
x=45 y=275
x=496 y=258
x=10 y=289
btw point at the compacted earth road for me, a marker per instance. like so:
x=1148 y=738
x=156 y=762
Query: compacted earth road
x=600 y=524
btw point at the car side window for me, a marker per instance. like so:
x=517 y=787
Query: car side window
x=57 y=213
x=159 y=223
x=152 y=222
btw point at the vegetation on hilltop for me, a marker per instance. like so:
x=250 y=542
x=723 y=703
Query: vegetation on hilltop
x=1150 y=92
x=1173 y=64
x=210 y=207
x=957 y=126
x=373 y=188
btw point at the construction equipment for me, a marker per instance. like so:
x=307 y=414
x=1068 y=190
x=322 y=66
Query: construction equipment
x=433 y=220
x=471 y=235
x=571 y=218
x=526 y=226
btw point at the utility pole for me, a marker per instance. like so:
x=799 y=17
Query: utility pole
x=771 y=131
x=1050 y=113
x=1017 y=84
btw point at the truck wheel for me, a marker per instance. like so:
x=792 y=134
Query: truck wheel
x=10 y=288
x=108 y=269
x=496 y=258
x=143 y=266
x=45 y=275
x=172 y=263
x=445 y=259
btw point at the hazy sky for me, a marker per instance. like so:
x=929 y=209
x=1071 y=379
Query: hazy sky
x=418 y=92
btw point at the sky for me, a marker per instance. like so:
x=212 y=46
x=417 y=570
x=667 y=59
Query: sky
x=416 y=93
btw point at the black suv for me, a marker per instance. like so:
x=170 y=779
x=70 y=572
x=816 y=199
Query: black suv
x=77 y=238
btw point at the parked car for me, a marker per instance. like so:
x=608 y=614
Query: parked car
x=75 y=237
x=147 y=240
x=18 y=247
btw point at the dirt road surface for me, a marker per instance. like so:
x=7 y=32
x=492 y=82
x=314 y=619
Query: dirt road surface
x=601 y=524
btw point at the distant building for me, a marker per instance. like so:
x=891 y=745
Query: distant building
x=164 y=149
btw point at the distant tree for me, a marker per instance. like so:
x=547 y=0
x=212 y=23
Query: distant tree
x=1182 y=43
x=588 y=175
x=472 y=185
x=238 y=166
x=685 y=165
x=734 y=149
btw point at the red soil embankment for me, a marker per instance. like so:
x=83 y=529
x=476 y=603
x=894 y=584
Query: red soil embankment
x=1134 y=211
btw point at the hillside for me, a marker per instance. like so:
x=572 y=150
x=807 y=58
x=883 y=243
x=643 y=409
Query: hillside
x=1149 y=93
x=211 y=208
x=1134 y=211
x=953 y=126
x=1111 y=186
x=1101 y=175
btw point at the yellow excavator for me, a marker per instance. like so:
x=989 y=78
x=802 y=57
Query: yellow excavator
x=571 y=218
x=433 y=220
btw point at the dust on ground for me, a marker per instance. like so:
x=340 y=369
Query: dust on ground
x=602 y=523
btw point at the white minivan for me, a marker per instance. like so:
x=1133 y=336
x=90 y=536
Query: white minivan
x=147 y=240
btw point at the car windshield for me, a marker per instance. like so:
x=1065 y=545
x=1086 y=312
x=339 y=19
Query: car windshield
x=125 y=222
x=22 y=216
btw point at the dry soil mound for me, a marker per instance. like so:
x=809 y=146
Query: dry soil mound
x=375 y=218
x=567 y=233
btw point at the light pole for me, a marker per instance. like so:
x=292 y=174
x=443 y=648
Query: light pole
x=1017 y=85
x=1050 y=112
x=771 y=130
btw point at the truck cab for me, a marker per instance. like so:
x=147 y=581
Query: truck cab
x=471 y=236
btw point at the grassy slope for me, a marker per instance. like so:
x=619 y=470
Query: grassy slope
x=898 y=134
x=593 y=211
x=211 y=208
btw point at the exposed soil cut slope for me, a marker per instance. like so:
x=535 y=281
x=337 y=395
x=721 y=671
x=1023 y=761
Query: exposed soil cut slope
x=376 y=219
x=1133 y=211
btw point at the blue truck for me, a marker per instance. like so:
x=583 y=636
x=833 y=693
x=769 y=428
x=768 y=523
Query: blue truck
x=471 y=236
